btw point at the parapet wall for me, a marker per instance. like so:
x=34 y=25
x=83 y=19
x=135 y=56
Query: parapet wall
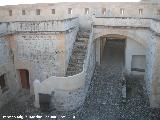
x=84 y=11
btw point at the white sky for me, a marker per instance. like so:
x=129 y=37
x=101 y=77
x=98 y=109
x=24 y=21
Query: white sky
x=15 y=2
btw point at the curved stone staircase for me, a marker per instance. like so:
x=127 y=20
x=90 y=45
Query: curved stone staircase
x=76 y=61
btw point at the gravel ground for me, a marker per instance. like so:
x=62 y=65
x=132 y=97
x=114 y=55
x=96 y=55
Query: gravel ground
x=103 y=102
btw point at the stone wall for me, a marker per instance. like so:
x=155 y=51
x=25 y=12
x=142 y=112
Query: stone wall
x=133 y=48
x=61 y=11
x=69 y=92
x=43 y=44
x=40 y=26
x=42 y=48
x=146 y=37
x=7 y=69
x=153 y=70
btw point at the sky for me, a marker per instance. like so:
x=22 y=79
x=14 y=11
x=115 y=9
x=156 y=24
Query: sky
x=16 y=2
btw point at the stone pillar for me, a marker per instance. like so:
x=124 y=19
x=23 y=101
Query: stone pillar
x=128 y=58
x=36 y=85
x=153 y=71
x=98 y=51
x=102 y=45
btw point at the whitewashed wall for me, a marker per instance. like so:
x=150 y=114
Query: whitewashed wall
x=133 y=48
x=7 y=68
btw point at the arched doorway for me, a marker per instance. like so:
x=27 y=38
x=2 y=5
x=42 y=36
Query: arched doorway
x=110 y=49
x=24 y=78
x=122 y=50
x=113 y=51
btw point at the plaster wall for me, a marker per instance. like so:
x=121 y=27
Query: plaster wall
x=69 y=92
x=48 y=44
x=42 y=54
x=61 y=11
x=133 y=48
x=153 y=70
x=7 y=68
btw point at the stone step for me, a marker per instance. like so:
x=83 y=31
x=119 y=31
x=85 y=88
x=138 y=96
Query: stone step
x=73 y=64
x=82 y=39
x=77 y=58
x=79 y=54
x=80 y=47
x=74 y=68
x=79 y=44
x=79 y=50
x=83 y=34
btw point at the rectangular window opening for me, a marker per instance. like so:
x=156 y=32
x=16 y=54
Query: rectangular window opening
x=38 y=11
x=53 y=11
x=10 y=12
x=69 y=10
x=121 y=11
x=140 y=11
x=103 y=11
x=86 y=11
x=23 y=12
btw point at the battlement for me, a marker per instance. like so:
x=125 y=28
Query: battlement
x=40 y=12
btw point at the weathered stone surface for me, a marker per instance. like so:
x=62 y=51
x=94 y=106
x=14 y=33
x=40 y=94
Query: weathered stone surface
x=76 y=61
x=103 y=100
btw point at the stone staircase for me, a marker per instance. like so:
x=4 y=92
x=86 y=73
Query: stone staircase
x=76 y=61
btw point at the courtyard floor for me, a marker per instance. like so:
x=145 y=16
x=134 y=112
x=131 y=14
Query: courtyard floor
x=103 y=102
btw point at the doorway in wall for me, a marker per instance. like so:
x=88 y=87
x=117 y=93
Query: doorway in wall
x=113 y=52
x=24 y=77
x=3 y=83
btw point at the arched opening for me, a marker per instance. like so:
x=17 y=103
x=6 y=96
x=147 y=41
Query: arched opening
x=121 y=50
x=113 y=51
x=110 y=49
x=24 y=78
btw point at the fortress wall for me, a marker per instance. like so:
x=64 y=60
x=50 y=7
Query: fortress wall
x=61 y=11
x=42 y=48
x=45 y=52
x=8 y=72
x=133 y=48
x=42 y=54
x=39 y=47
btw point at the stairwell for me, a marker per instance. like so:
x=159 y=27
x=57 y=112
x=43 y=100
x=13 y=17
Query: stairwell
x=76 y=61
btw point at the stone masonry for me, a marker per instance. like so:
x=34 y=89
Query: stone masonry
x=76 y=62
x=52 y=44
